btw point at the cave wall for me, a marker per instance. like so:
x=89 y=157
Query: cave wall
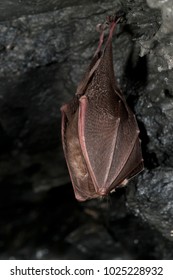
x=45 y=48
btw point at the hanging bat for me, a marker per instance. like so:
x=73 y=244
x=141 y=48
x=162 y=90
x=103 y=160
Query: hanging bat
x=100 y=134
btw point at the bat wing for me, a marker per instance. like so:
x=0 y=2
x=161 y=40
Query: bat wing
x=80 y=177
x=99 y=131
x=109 y=142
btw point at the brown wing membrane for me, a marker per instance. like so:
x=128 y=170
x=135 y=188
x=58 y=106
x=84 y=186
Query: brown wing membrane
x=99 y=131
x=110 y=145
x=97 y=138
x=80 y=177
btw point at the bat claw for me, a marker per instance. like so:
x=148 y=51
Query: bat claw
x=100 y=27
x=110 y=22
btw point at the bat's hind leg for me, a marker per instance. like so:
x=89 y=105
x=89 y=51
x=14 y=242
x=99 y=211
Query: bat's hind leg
x=101 y=28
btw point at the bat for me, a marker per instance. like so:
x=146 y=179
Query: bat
x=100 y=135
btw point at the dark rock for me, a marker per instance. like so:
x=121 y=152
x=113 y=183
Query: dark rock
x=152 y=199
x=44 y=49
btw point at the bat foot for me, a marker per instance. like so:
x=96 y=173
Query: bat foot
x=111 y=22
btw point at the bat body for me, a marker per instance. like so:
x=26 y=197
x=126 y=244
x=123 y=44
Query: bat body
x=99 y=131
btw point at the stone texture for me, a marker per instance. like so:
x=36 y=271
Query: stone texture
x=44 y=49
x=152 y=199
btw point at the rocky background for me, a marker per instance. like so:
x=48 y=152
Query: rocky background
x=45 y=47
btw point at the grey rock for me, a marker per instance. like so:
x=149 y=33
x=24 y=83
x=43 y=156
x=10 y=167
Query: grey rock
x=45 y=48
x=152 y=199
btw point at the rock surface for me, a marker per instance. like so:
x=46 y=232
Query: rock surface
x=44 y=50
